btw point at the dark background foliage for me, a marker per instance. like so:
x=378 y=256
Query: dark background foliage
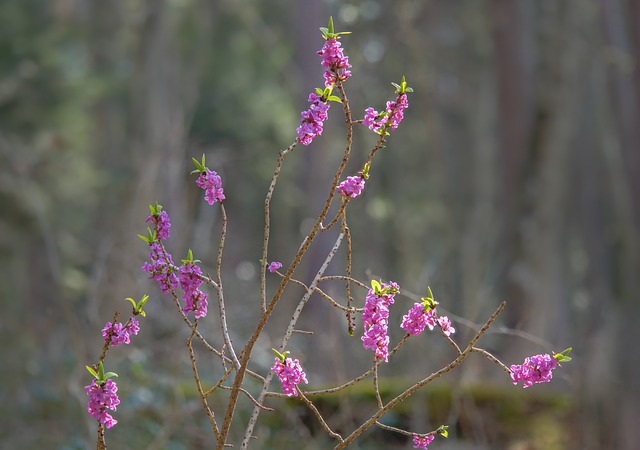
x=515 y=176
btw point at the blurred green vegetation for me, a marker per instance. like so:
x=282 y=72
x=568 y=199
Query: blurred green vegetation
x=515 y=176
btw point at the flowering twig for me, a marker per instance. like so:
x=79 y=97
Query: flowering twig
x=408 y=392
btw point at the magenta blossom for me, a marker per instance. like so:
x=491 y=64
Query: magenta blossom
x=195 y=300
x=312 y=120
x=161 y=223
x=422 y=441
x=390 y=118
x=120 y=334
x=211 y=182
x=352 y=186
x=290 y=373
x=160 y=267
x=335 y=64
x=445 y=325
x=418 y=318
x=535 y=369
x=274 y=266
x=102 y=398
x=375 y=318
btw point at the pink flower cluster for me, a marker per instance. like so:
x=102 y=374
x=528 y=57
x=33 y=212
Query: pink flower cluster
x=422 y=441
x=161 y=223
x=335 y=64
x=390 y=118
x=190 y=281
x=445 y=325
x=312 y=120
x=159 y=266
x=275 y=265
x=352 y=186
x=421 y=316
x=211 y=182
x=291 y=374
x=102 y=398
x=417 y=319
x=375 y=319
x=535 y=369
x=120 y=334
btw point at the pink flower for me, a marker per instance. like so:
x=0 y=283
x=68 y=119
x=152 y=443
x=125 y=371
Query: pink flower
x=390 y=118
x=274 y=266
x=211 y=182
x=161 y=223
x=417 y=319
x=422 y=441
x=312 y=120
x=159 y=266
x=120 y=334
x=352 y=186
x=291 y=374
x=445 y=324
x=335 y=64
x=102 y=398
x=535 y=369
x=190 y=281
x=375 y=319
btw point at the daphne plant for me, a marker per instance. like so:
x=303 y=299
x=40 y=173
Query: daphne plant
x=191 y=290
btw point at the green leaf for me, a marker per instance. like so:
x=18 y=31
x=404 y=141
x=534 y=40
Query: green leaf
x=92 y=372
x=143 y=301
x=563 y=355
x=319 y=91
x=334 y=98
x=133 y=302
x=330 y=30
x=365 y=170
x=200 y=166
x=279 y=355
x=144 y=239
x=100 y=371
x=376 y=286
x=109 y=375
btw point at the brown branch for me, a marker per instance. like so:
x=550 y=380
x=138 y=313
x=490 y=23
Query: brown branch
x=324 y=424
x=196 y=377
x=411 y=390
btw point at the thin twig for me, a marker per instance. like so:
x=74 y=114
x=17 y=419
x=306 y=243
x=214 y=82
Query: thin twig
x=267 y=226
x=250 y=397
x=326 y=296
x=394 y=429
x=492 y=358
x=324 y=424
x=196 y=377
x=347 y=287
x=376 y=388
x=220 y=291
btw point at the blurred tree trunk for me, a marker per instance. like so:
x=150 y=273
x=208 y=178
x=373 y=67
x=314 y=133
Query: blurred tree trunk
x=514 y=131
x=621 y=39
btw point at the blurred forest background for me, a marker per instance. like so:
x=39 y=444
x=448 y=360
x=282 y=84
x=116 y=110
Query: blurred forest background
x=515 y=176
